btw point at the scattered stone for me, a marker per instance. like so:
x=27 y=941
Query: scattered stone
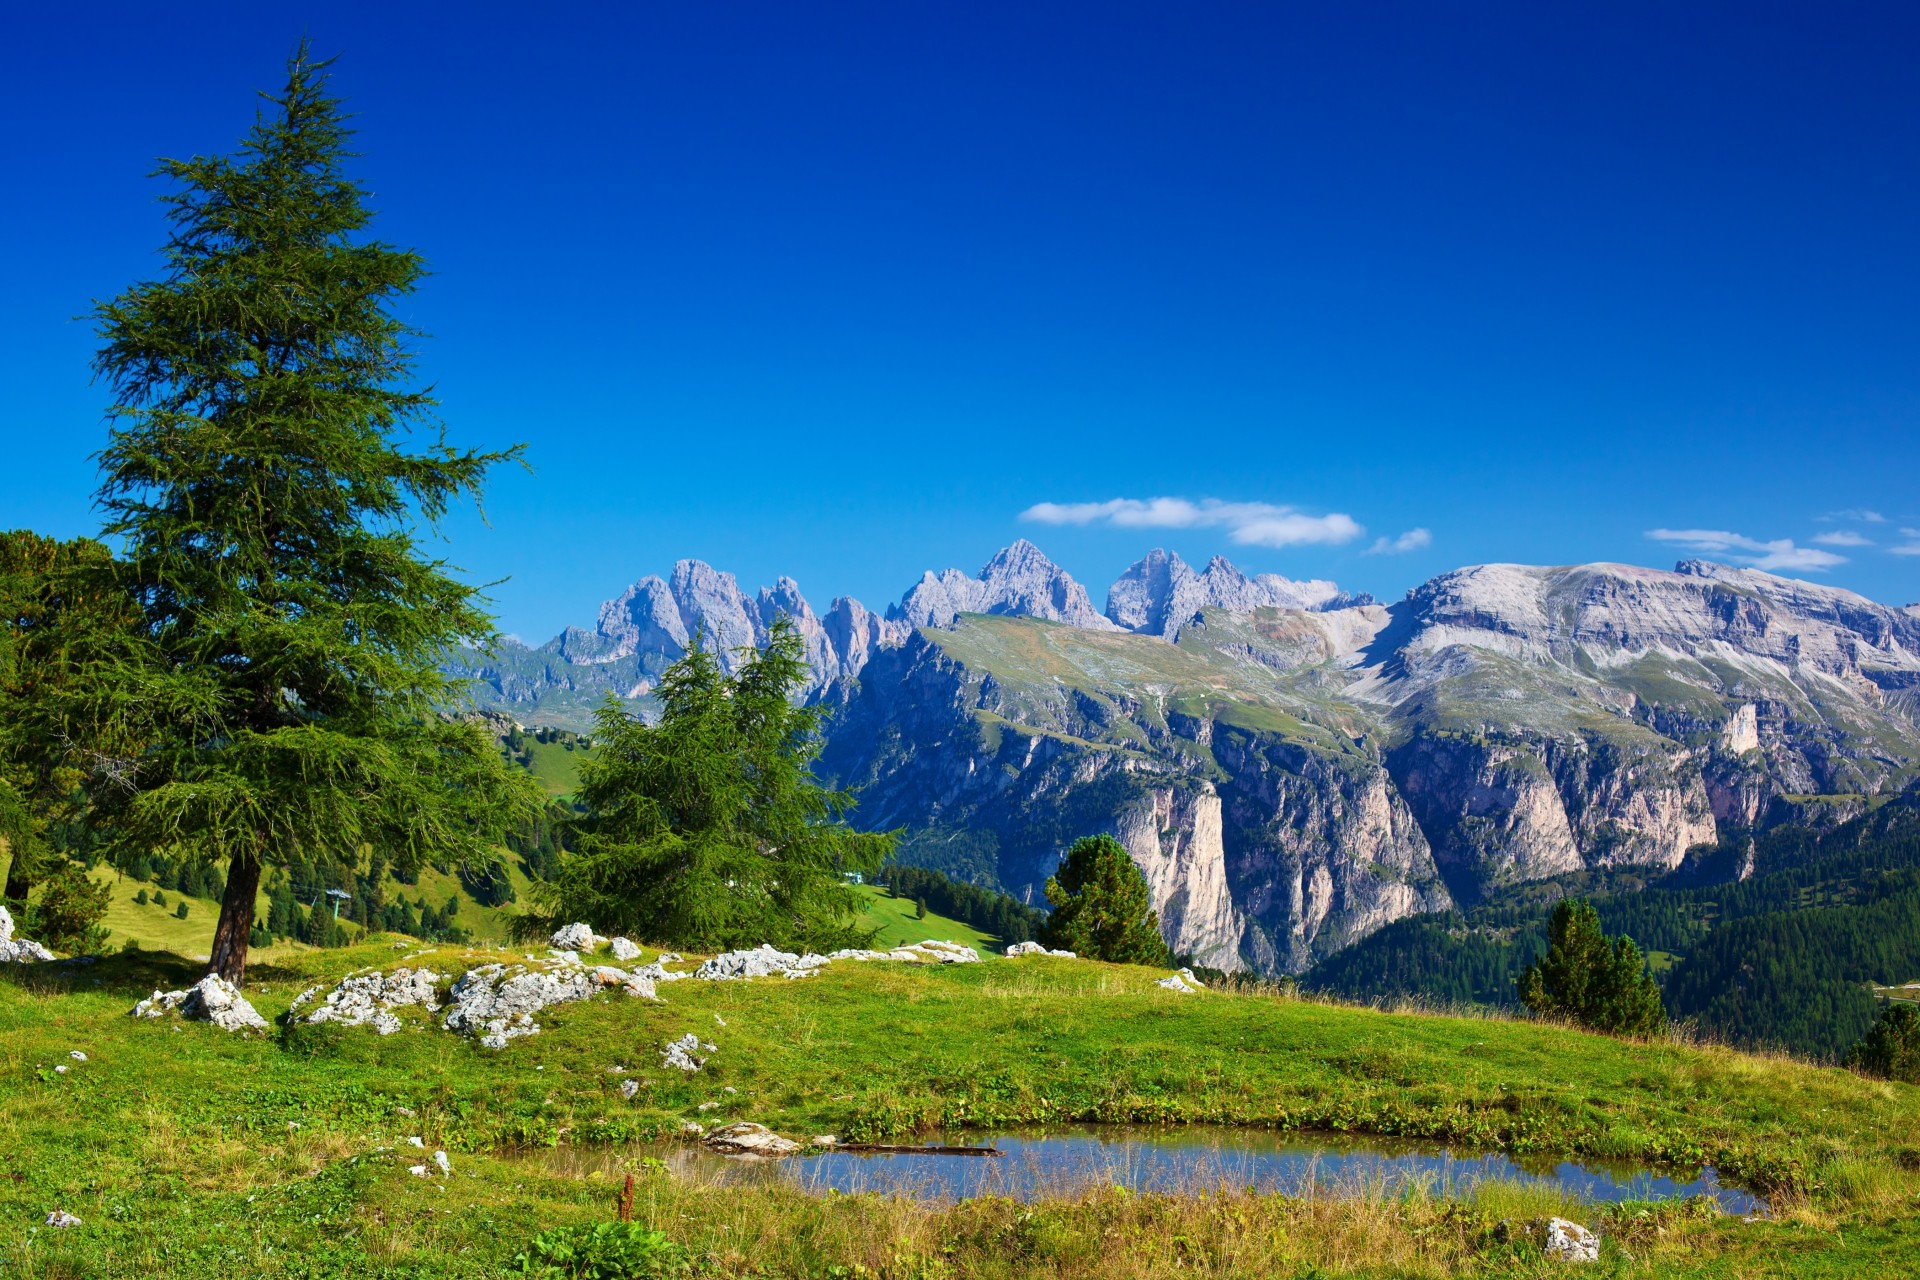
x=60 y=1070
x=823 y=1140
x=370 y=998
x=497 y=1002
x=717 y=1018
x=417 y=1170
x=749 y=1139
x=212 y=999
x=855 y=953
x=707 y=1106
x=634 y=984
x=76 y=1055
x=1035 y=949
x=691 y=1128
x=670 y=957
x=761 y=962
x=1570 y=1242
x=728 y=1089
x=62 y=1220
x=625 y=949
x=1181 y=981
x=417 y=1142
x=406 y=1111
x=679 y=1054
x=441 y=1162
x=628 y=1088
x=934 y=951
x=575 y=937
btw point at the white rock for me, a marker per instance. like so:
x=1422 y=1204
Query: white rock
x=416 y=1141
x=1035 y=949
x=625 y=949
x=679 y=1054
x=367 y=999
x=417 y=1170
x=76 y=1055
x=212 y=999
x=628 y=1088
x=857 y=954
x=691 y=1128
x=1571 y=1242
x=761 y=962
x=60 y=1070
x=62 y=1220
x=18 y=950
x=497 y=1002
x=634 y=984
x=706 y=1106
x=935 y=951
x=1182 y=981
x=573 y=937
x=823 y=1140
x=440 y=1161
x=749 y=1139
x=6 y=925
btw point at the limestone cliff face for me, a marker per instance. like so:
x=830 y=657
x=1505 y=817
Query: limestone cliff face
x=1177 y=837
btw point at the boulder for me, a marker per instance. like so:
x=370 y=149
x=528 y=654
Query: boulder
x=634 y=984
x=1035 y=949
x=18 y=950
x=369 y=999
x=625 y=949
x=575 y=937
x=61 y=1220
x=212 y=999
x=934 y=951
x=6 y=925
x=1570 y=1242
x=749 y=1139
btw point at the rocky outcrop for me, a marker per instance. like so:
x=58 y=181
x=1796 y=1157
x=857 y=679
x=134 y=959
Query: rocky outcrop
x=1160 y=594
x=1019 y=581
x=212 y=999
x=18 y=950
x=369 y=999
x=1176 y=837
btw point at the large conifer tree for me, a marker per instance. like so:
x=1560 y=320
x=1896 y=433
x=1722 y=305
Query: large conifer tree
x=257 y=475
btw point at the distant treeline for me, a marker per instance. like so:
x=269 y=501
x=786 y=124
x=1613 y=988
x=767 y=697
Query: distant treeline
x=1785 y=959
x=987 y=910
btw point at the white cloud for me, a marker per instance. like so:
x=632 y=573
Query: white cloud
x=1910 y=533
x=1411 y=540
x=1857 y=514
x=1252 y=524
x=1910 y=549
x=1842 y=538
x=1779 y=553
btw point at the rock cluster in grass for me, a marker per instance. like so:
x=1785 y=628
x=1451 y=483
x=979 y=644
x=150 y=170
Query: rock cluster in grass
x=497 y=1002
x=1035 y=949
x=764 y=961
x=18 y=950
x=1181 y=981
x=369 y=999
x=750 y=1139
x=679 y=1054
x=576 y=937
x=212 y=999
x=624 y=949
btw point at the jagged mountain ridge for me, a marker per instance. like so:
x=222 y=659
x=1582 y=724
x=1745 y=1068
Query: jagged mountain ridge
x=1293 y=769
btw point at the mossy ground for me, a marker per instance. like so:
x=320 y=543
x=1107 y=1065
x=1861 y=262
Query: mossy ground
x=191 y=1153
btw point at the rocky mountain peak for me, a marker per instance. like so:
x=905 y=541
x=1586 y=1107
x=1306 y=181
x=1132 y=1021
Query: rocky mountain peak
x=1161 y=593
x=1019 y=581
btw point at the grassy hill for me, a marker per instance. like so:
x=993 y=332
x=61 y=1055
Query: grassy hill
x=894 y=918
x=189 y=1152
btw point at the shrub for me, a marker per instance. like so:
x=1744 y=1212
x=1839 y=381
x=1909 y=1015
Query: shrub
x=180 y=912
x=67 y=916
x=606 y=1251
x=140 y=898
x=1100 y=906
x=1891 y=1049
x=1597 y=981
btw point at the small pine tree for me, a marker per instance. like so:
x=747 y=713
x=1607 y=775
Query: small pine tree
x=140 y=898
x=68 y=913
x=1594 y=980
x=919 y=908
x=159 y=898
x=1891 y=1047
x=1101 y=906
x=707 y=829
x=180 y=912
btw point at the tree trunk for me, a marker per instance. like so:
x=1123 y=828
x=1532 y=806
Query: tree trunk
x=236 y=919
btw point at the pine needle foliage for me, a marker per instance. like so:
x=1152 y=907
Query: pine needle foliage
x=256 y=473
x=1597 y=981
x=707 y=829
x=1101 y=906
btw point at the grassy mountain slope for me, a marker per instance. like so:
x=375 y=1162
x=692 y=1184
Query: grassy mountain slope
x=189 y=1152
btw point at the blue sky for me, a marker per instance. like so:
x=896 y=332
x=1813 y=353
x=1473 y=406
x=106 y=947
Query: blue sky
x=841 y=291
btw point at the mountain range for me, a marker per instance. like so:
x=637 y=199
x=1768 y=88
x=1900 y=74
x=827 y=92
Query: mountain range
x=1291 y=766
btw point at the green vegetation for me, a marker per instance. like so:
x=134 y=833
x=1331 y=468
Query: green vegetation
x=1597 y=981
x=188 y=1152
x=999 y=914
x=1891 y=1049
x=552 y=756
x=288 y=615
x=1788 y=958
x=707 y=829
x=1101 y=907
x=893 y=922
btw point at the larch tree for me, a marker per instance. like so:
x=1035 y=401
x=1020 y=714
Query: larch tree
x=1101 y=906
x=258 y=477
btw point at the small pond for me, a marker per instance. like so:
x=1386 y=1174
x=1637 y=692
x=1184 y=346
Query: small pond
x=1196 y=1158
